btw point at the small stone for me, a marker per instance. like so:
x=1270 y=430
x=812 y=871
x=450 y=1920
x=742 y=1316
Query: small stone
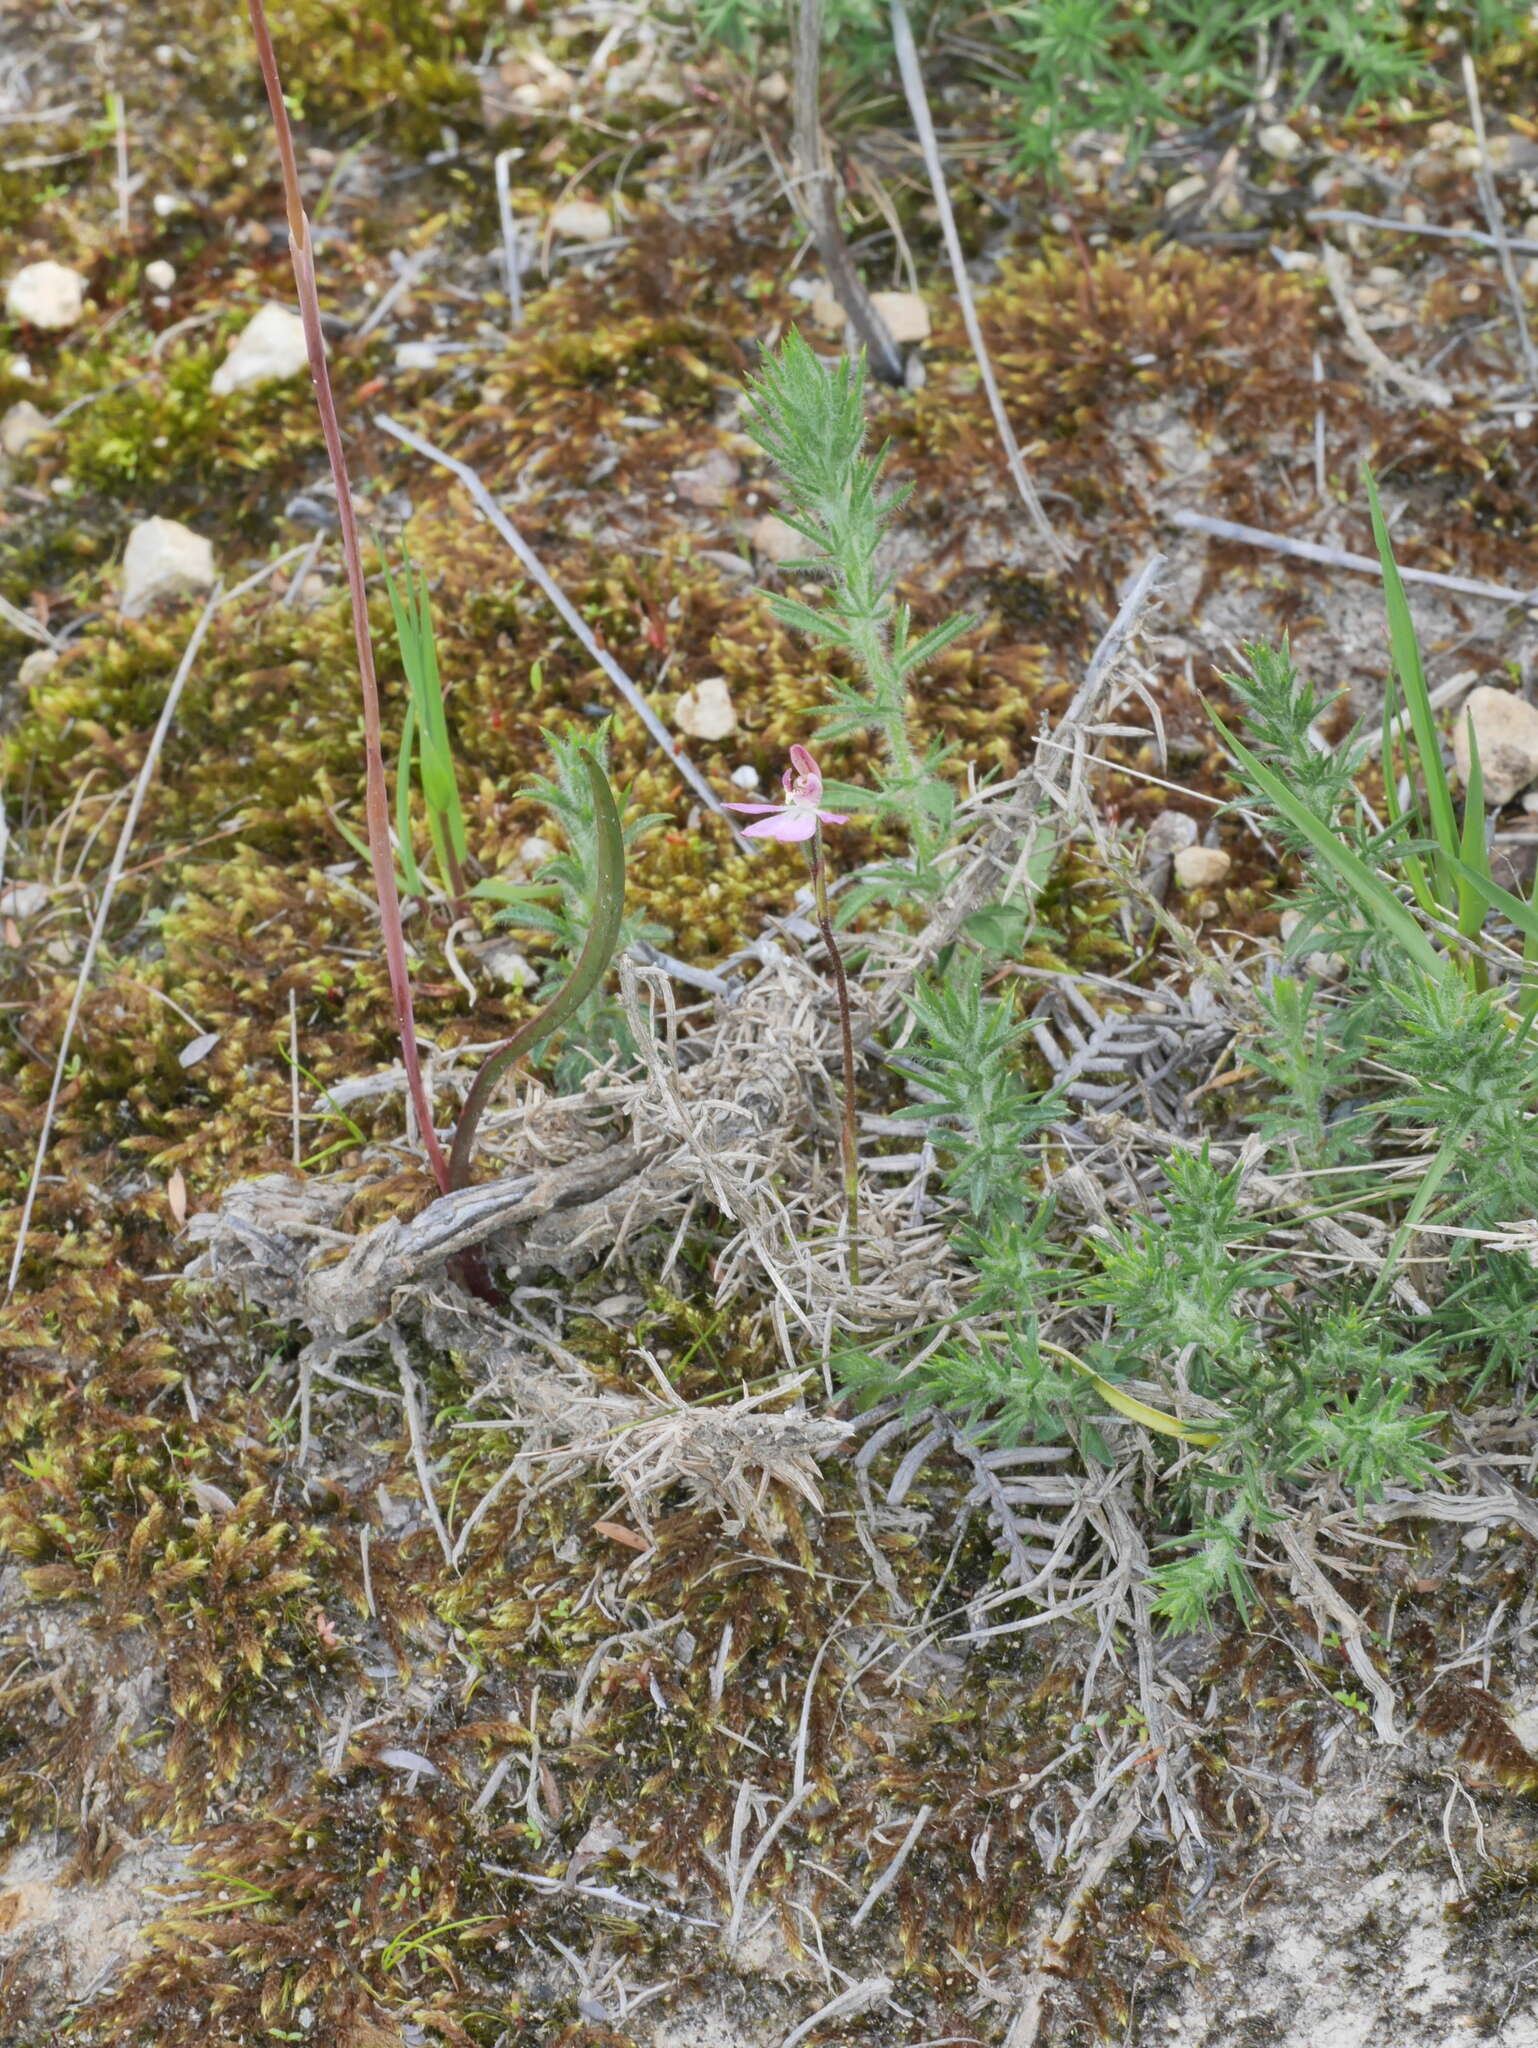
x=47 y=294
x=773 y=88
x=23 y=900
x=1506 y=732
x=775 y=540
x=827 y=313
x=534 y=853
x=160 y=275
x=728 y=564
x=745 y=777
x=163 y=559
x=1513 y=867
x=504 y=963
x=1169 y=833
x=417 y=355
x=905 y=314
x=580 y=220
x=35 y=666
x=1280 y=142
x=1201 y=867
x=1323 y=966
x=22 y=425
x=706 y=712
x=710 y=484
x=271 y=348
x=1183 y=191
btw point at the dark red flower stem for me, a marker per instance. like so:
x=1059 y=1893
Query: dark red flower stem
x=847 y=1141
x=376 y=806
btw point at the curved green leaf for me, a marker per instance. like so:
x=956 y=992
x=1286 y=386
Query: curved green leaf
x=592 y=965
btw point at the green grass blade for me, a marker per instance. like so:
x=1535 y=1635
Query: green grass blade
x=1436 y=1173
x=1523 y=915
x=1412 y=680
x=1420 y=884
x=1371 y=891
x=411 y=873
x=434 y=753
x=359 y=847
x=1472 y=850
x=1409 y=819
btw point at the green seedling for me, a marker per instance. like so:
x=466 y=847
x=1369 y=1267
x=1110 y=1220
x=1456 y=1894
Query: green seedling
x=426 y=755
x=592 y=964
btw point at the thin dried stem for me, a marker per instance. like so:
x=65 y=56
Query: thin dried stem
x=924 y=128
x=815 y=194
x=1489 y=199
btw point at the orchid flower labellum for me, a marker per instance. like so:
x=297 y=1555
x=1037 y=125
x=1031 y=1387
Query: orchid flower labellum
x=800 y=811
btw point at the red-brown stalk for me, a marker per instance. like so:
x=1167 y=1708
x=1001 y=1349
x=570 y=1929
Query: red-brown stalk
x=376 y=805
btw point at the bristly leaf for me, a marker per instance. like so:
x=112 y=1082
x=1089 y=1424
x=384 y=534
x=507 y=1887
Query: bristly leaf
x=809 y=417
x=587 y=973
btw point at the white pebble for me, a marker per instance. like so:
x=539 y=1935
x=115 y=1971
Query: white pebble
x=271 y=349
x=581 y=220
x=48 y=295
x=706 y=712
x=163 y=558
x=1201 y=867
x=22 y=425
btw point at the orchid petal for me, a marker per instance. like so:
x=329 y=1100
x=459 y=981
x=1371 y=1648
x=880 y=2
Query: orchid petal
x=755 y=808
x=786 y=825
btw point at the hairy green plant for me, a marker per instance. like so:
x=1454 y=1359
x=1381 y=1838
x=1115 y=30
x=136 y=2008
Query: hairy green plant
x=599 y=889
x=1127 y=66
x=1311 y=1051
x=570 y=895
x=809 y=418
x=964 y=1064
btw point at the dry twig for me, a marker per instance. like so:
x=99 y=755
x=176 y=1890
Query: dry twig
x=924 y=127
x=1489 y=199
x=1423 y=390
x=814 y=188
x=1027 y=2022
x=1343 y=558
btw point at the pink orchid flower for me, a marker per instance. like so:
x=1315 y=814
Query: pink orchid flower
x=800 y=811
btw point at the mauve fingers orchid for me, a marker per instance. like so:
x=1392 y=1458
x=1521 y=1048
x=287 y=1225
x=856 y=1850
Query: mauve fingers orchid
x=799 y=812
